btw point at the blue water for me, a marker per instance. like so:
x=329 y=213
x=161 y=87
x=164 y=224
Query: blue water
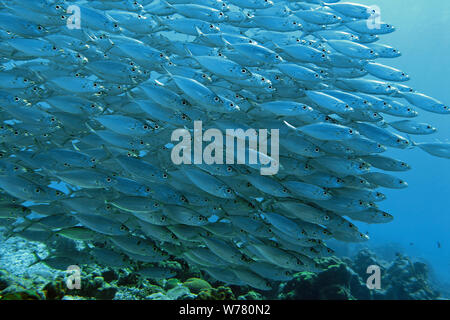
x=422 y=218
x=422 y=211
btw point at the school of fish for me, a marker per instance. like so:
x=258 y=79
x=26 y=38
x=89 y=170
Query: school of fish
x=87 y=116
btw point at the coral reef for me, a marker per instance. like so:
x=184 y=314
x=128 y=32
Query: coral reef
x=25 y=277
x=345 y=279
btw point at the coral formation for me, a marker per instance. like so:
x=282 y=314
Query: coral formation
x=341 y=279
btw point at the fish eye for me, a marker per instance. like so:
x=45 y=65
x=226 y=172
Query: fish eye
x=57 y=7
x=323 y=56
x=211 y=26
x=39 y=28
x=350 y=131
x=326 y=218
x=316 y=75
x=203 y=76
x=95 y=85
x=375 y=115
x=141 y=142
x=165 y=176
x=216 y=99
x=115 y=25
x=270 y=87
x=161 y=55
x=372 y=52
x=16 y=98
x=183 y=102
x=228 y=190
x=156 y=204
x=243 y=71
x=316 y=149
x=145 y=127
x=37 y=190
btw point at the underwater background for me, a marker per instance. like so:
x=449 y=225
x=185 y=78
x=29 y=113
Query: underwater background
x=422 y=217
x=419 y=232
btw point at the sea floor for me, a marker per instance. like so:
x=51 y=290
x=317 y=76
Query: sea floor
x=342 y=279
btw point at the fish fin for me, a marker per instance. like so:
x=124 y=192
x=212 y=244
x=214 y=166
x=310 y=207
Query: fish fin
x=290 y=126
x=158 y=20
x=188 y=51
x=90 y=128
x=411 y=141
x=168 y=72
x=38 y=259
x=168 y=5
x=199 y=33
